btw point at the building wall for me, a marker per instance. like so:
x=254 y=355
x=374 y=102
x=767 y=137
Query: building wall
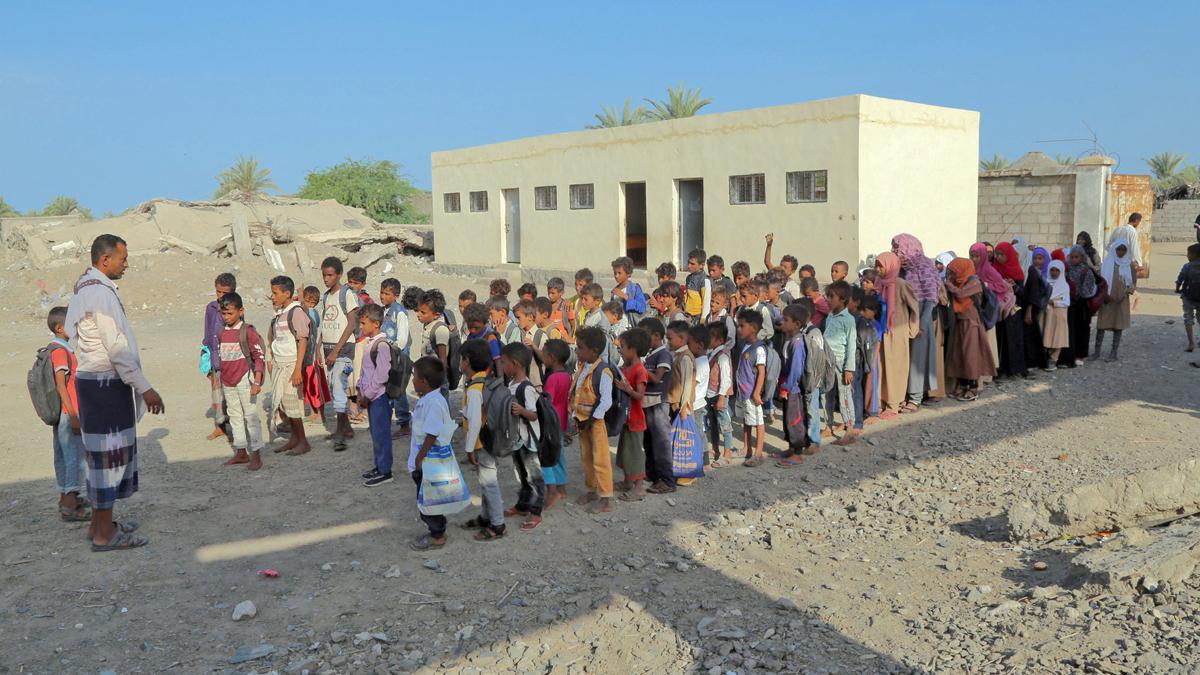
x=1040 y=208
x=918 y=169
x=1130 y=193
x=822 y=135
x=1175 y=220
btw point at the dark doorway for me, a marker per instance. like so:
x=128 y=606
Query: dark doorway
x=691 y=217
x=635 y=222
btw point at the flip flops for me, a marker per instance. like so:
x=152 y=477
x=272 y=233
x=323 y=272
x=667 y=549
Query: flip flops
x=80 y=514
x=752 y=462
x=489 y=533
x=121 y=541
x=424 y=543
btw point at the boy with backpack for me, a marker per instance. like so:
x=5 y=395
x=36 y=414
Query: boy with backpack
x=627 y=292
x=657 y=440
x=515 y=359
x=395 y=329
x=52 y=387
x=476 y=363
x=289 y=338
x=751 y=376
x=697 y=295
x=339 y=320
x=440 y=342
x=242 y=366
x=795 y=358
x=373 y=395
x=1187 y=285
x=591 y=398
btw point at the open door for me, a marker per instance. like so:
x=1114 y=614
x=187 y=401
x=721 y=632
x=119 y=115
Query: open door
x=691 y=217
x=635 y=222
x=512 y=225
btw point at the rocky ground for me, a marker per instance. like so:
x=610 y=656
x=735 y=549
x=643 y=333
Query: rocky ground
x=889 y=557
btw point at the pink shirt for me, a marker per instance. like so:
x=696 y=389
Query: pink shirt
x=372 y=383
x=558 y=385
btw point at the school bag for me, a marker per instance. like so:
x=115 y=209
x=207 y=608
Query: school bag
x=453 y=347
x=1098 y=298
x=42 y=390
x=635 y=302
x=1191 y=282
x=693 y=298
x=774 y=367
x=310 y=349
x=244 y=341
x=400 y=369
x=501 y=436
x=617 y=413
x=820 y=366
x=989 y=307
x=549 y=444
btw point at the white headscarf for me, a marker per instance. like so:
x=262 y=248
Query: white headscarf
x=1023 y=253
x=1060 y=290
x=1114 y=264
x=946 y=257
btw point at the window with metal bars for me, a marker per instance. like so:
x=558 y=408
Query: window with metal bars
x=807 y=186
x=583 y=196
x=748 y=189
x=451 y=202
x=545 y=198
x=479 y=201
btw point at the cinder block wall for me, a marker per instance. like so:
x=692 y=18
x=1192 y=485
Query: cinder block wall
x=1174 y=221
x=1040 y=208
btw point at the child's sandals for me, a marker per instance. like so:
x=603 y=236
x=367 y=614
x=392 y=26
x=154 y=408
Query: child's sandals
x=489 y=533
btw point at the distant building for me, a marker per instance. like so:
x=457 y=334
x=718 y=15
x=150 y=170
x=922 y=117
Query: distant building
x=833 y=179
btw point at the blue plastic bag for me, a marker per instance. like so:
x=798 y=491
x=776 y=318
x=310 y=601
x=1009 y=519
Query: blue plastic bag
x=443 y=489
x=687 y=451
x=205 y=360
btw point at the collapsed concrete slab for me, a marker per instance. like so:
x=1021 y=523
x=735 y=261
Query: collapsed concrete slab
x=1141 y=499
x=1141 y=560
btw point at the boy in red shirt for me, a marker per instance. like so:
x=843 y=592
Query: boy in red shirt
x=631 y=457
x=70 y=470
x=242 y=367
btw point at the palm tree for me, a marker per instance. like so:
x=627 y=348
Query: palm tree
x=244 y=176
x=608 y=116
x=6 y=210
x=1064 y=160
x=996 y=163
x=62 y=205
x=1165 y=165
x=681 y=102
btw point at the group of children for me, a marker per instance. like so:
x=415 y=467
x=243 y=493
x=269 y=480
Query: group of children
x=621 y=367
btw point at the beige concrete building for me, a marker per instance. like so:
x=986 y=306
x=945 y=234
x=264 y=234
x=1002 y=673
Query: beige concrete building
x=833 y=179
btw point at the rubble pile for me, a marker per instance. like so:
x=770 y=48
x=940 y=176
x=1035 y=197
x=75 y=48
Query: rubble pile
x=282 y=230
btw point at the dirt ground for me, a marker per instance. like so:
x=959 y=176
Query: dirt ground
x=889 y=557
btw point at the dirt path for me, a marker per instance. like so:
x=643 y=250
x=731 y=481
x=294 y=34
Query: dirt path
x=887 y=558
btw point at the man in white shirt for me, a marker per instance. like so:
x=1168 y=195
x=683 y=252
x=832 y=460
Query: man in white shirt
x=112 y=392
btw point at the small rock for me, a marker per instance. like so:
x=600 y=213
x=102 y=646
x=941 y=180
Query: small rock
x=454 y=607
x=1005 y=607
x=337 y=637
x=705 y=623
x=248 y=653
x=431 y=564
x=787 y=604
x=872 y=441
x=244 y=610
x=327 y=567
x=1040 y=566
x=1149 y=584
x=670 y=501
x=392 y=572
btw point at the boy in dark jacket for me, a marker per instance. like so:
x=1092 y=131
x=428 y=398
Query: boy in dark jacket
x=225 y=283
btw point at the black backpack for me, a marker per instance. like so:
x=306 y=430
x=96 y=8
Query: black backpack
x=399 y=370
x=42 y=389
x=618 y=413
x=500 y=435
x=549 y=445
x=244 y=340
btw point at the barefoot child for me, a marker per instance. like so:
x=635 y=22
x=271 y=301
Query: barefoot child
x=591 y=397
x=70 y=469
x=339 y=319
x=841 y=334
x=242 y=366
x=558 y=385
x=476 y=365
x=631 y=454
x=751 y=376
x=432 y=428
x=515 y=359
x=225 y=283
x=289 y=339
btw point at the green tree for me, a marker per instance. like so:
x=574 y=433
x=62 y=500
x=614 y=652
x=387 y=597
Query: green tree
x=1064 y=160
x=244 y=176
x=608 y=116
x=377 y=187
x=63 y=205
x=997 y=163
x=680 y=102
x=6 y=210
x=1164 y=165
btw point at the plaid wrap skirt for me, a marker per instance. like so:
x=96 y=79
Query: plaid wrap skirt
x=107 y=419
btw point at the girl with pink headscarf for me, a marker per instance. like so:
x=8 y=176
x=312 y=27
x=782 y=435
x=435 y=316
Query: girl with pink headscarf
x=903 y=324
x=924 y=369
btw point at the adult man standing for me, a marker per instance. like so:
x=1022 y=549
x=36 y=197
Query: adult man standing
x=1129 y=233
x=112 y=392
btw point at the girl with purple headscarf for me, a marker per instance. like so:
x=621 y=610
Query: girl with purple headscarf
x=1031 y=298
x=924 y=370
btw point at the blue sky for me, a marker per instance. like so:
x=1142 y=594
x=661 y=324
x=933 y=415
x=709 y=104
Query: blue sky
x=119 y=102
